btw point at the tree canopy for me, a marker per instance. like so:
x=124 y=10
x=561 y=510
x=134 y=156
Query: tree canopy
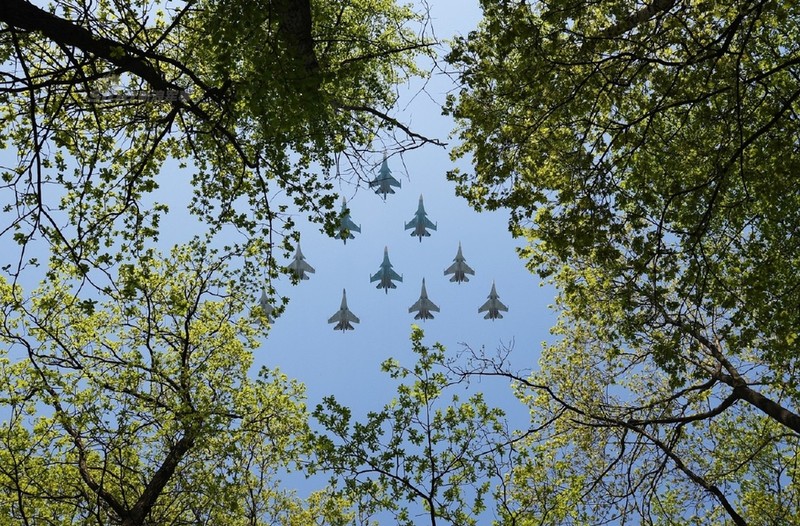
x=140 y=408
x=649 y=153
x=253 y=98
x=421 y=457
x=124 y=373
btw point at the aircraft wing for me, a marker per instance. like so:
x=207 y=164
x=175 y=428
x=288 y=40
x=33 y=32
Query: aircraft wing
x=394 y=275
x=423 y=304
x=384 y=185
x=411 y=224
x=343 y=319
x=429 y=224
x=493 y=304
x=352 y=227
x=459 y=269
x=375 y=277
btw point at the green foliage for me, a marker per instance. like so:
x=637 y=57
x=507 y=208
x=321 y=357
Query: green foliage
x=614 y=439
x=269 y=100
x=647 y=161
x=421 y=455
x=647 y=152
x=124 y=375
x=150 y=388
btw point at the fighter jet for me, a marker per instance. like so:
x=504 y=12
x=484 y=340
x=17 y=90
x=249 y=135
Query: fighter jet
x=459 y=269
x=298 y=266
x=423 y=306
x=385 y=274
x=420 y=222
x=346 y=225
x=343 y=317
x=492 y=307
x=384 y=181
x=265 y=305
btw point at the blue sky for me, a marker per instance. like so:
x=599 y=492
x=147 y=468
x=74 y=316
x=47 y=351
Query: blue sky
x=347 y=364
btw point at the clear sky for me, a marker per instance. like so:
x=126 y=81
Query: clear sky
x=346 y=364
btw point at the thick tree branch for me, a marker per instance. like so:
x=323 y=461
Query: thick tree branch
x=295 y=24
x=137 y=514
x=735 y=380
x=776 y=411
x=24 y=15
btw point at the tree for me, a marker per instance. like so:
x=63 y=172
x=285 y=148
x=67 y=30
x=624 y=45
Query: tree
x=125 y=373
x=421 y=455
x=649 y=155
x=255 y=98
x=139 y=409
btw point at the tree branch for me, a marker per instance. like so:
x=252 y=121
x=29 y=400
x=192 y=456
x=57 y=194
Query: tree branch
x=136 y=515
x=24 y=15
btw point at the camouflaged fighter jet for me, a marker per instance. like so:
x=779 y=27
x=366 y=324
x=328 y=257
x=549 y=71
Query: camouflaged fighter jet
x=420 y=223
x=385 y=274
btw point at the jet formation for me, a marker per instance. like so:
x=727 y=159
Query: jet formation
x=384 y=184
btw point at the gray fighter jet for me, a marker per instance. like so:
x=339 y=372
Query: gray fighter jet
x=384 y=181
x=265 y=305
x=493 y=306
x=343 y=317
x=298 y=266
x=459 y=269
x=423 y=306
x=346 y=225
